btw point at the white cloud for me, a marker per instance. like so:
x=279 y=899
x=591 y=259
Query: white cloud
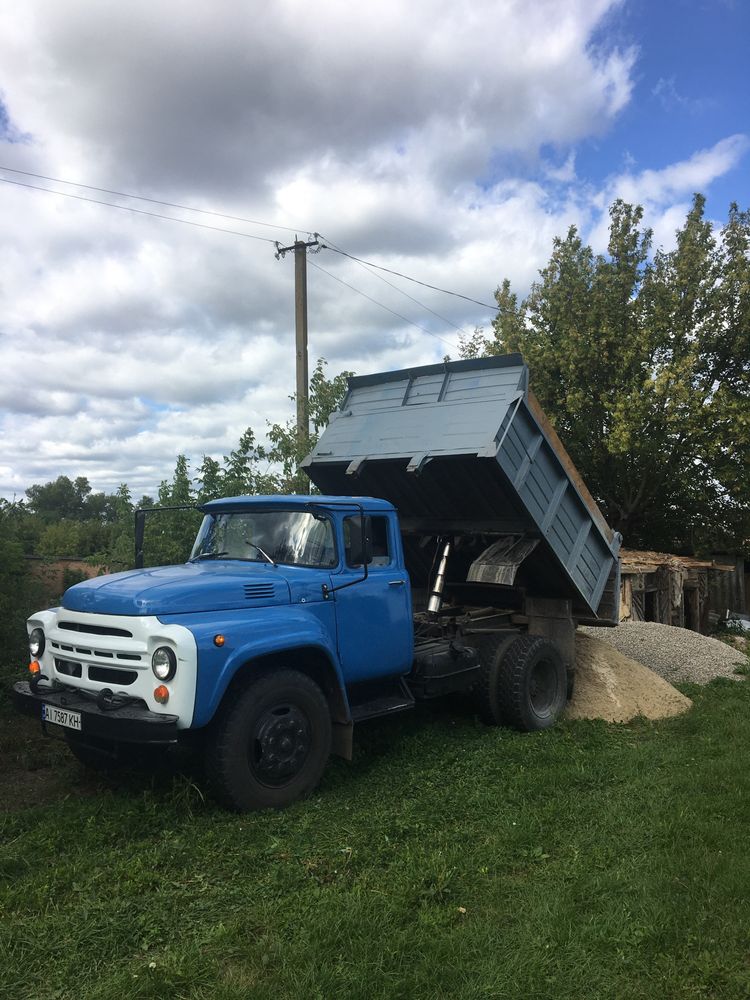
x=222 y=98
x=565 y=173
x=693 y=174
x=411 y=134
x=670 y=98
x=665 y=194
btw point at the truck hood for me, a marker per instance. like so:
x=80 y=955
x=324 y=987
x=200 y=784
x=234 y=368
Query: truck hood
x=201 y=586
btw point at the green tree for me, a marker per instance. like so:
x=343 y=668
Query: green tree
x=61 y=498
x=288 y=446
x=242 y=473
x=210 y=480
x=169 y=535
x=68 y=519
x=727 y=358
x=121 y=549
x=642 y=364
x=20 y=592
x=59 y=540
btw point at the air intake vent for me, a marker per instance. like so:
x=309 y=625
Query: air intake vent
x=257 y=591
x=108 y=675
x=94 y=629
x=68 y=668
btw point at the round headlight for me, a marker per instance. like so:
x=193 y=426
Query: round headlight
x=164 y=663
x=36 y=643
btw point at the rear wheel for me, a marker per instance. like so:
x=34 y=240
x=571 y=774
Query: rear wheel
x=491 y=651
x=270 y=745
x=523 y=684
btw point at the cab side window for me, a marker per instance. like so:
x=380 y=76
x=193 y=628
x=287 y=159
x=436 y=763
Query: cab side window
x=380 y=554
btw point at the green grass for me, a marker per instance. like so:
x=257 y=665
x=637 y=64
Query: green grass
x=449 y=860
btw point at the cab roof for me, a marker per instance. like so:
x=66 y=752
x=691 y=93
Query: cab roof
x=294 y=501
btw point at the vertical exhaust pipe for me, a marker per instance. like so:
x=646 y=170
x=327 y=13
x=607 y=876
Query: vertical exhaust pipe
x=435 y=602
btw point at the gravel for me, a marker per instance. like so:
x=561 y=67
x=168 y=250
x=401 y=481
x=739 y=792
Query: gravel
x=676 y=654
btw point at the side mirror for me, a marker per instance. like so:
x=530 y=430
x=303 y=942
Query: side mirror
x=140 y=527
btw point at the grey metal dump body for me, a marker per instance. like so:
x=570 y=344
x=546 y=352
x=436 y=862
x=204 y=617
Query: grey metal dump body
x=464 y=447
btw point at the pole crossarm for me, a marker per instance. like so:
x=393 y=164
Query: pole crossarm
x=283 y=251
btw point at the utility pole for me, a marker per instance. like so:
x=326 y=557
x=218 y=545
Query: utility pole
x=300 y=325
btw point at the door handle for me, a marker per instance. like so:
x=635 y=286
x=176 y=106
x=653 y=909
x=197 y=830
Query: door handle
x=396 y=583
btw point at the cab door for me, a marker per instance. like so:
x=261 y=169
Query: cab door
x=373 y=615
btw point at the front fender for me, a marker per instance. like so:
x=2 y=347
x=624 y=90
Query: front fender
x=249 y=635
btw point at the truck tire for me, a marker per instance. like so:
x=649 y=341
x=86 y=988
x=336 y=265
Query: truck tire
x=269 y=746
x=524 y=684
x=491 y=650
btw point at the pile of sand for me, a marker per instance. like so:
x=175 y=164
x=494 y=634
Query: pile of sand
x=610 y=686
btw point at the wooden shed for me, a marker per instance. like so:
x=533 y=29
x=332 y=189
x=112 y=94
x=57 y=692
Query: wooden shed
x=673 y=590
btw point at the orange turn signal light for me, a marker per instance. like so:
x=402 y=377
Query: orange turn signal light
x=219 y=640
x=161 y=694
x=34 y=667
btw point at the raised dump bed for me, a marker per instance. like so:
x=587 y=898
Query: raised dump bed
x=462 y=449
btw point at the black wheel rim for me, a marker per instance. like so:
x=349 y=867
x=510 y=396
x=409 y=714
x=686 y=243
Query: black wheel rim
x=543 y=684
x=279 y=744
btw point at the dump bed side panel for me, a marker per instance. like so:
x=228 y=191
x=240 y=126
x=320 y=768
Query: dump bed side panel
x=457 y=446
x=555 y=506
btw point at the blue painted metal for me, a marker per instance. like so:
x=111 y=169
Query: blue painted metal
x=290 y=501
x=363 y=631
x=249 y=636
x=181 y=589
x=374 y=617
x=460 y=441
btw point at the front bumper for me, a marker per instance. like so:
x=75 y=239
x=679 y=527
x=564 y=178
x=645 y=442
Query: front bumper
x=124 y=724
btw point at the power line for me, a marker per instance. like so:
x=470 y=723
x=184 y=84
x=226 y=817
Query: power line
x=153 y=201
x=387 y=308
x=217 y=229
x=416 y=281
x=230 y=218
x=422 y=305
x=137 y=211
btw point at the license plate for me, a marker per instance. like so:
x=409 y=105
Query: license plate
x=61 y=717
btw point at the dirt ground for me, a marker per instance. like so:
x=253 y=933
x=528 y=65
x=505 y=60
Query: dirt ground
x=36 y=770
x=742 y=643
x=613 y=687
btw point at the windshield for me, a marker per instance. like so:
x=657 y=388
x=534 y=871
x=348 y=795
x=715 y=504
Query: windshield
x=294 y=537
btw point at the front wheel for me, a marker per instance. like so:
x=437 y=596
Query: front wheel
x=270 y=745
x=524 y=684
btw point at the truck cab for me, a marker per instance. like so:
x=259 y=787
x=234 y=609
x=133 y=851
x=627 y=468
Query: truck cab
x=314 y=586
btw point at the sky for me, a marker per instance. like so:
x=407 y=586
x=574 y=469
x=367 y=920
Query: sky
x=449 y=142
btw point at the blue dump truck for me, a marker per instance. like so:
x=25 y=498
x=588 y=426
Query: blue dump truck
x=453 y=548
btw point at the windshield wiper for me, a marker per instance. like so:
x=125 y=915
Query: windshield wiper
x=208 y=555
x=259 y=549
